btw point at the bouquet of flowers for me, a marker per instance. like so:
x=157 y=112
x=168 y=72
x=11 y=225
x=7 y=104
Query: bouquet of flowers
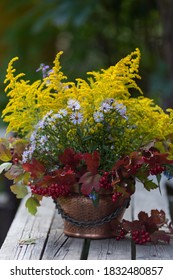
x=85 y=136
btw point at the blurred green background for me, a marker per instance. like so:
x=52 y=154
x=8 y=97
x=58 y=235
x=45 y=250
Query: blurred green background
x=93 y=34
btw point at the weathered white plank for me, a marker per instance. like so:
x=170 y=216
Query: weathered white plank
x=110 y=249
x=155 y=252
x=61 y=247
x=144 y=200
x=25 y=227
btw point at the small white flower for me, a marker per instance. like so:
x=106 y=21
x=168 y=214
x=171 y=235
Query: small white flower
x=33 y=136
x=44 y=121
x=98 y=116
x=43 y=140
x=32 y=148
x=105 y=107
x=76 y=118
x=27 y=154
x=73 y=104
x=61 y=113
x=40 y=124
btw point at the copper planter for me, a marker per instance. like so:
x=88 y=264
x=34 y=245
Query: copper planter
x=84 y=220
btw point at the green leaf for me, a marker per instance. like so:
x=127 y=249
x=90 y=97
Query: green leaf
x=158 y=177
x=31 y=204
x=150 y=185
x=5 y=166
x=19 y=190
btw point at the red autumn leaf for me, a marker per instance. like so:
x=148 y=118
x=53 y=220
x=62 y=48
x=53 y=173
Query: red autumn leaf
x=133 y=226
x=121 y=163
x=35 y=168
x=70 y=158
x=153 y=157
x=158 y=217
x=153 y=222
x=89 y=182
x=60 y=177
x=92 y=161
x=142 y=216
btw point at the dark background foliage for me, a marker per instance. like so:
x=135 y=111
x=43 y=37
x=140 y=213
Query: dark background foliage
x=93 y=34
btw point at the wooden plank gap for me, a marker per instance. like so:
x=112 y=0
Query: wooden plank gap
x=85 y=250
x=46 y=239
x=62 y=244
x=133 y=250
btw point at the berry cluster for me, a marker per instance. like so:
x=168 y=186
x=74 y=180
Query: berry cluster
x=140 y=236
x=115 y=196
x=158 y=169
x=134 y=168
x=53 y=190
x=121 y=235
x=105 y=180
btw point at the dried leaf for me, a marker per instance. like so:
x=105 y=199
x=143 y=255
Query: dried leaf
x=14 y=172
x=29 y=241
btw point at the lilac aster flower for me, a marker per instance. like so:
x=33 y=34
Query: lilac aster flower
x=43 y=68
x=98 y=117
x=73 y=104
x=61 y=113
x=105 y=107
x=76 y=118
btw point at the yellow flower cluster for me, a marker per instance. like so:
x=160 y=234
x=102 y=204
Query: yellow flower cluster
x=28 y=103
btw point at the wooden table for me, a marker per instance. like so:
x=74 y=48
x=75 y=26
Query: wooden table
x=41 y=237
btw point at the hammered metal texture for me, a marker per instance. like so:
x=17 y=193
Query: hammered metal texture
x=81 y=208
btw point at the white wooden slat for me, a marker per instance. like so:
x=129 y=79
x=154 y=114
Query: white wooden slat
x=146 y=200
x=155 y=252
x=61 y=247
x=26 y=226
x=110 y=249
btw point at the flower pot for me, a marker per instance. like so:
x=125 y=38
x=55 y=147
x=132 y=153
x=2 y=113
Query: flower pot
x=84 y=220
